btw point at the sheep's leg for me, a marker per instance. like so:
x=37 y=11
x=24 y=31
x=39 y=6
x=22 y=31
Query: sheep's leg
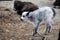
x=36 y=24
x=35 y=29
x=48 y=27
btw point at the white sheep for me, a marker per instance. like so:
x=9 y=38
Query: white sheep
x=45 y=14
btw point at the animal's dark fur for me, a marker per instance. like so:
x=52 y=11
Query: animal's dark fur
x=56 y=3
x=24 y=6
x=54 y=12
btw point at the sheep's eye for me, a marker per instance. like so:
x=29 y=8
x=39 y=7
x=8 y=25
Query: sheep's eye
x=23 y=16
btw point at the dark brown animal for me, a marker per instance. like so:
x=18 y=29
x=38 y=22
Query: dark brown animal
x=24 y=6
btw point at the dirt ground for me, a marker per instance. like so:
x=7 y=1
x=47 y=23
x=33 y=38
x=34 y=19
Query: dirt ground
x=11 y=28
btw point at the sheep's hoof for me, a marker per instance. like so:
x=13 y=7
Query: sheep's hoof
x=49 y=31
x=43 y=38
x=36 y=35
x=45 y=33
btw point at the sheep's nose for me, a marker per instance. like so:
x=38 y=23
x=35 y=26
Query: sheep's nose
x=21 y=20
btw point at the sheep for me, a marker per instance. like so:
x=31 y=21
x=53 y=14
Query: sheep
x=24 y=6
x=45 y=14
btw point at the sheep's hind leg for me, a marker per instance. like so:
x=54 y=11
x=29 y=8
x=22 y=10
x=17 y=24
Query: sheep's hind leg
x=48 y=28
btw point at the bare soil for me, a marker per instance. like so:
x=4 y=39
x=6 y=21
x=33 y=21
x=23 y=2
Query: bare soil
x=11 y=28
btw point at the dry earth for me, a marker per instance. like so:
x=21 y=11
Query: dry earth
x=11 y=28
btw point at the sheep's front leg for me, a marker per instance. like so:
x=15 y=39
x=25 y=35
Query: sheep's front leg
x=36 y=23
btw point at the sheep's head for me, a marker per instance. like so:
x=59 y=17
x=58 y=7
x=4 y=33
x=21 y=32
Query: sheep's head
x=24 y=16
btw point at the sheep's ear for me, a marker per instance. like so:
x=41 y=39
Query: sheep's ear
x=27 y=14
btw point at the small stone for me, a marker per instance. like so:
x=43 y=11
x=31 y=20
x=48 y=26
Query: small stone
x=7 y=30
x=11 y=39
